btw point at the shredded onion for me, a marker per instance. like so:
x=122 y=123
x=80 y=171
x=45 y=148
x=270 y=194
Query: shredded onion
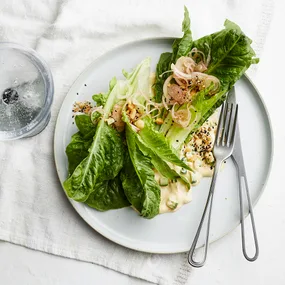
x=166 y=82
x=156 y=107
x=212 y=79
x=181 y=117
x=165 y=97
x=209 y=55
x=165 y=103
x=200 y=67
x=188 y=71
x=181 y=74
x=207 y=79
x=167 y=71
x=139 y=106
x=180 y=81
x=96 y=109
x=187 y=76
x=185 y=64
x=197 y=54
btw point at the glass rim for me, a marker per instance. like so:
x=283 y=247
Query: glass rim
x=47 y=77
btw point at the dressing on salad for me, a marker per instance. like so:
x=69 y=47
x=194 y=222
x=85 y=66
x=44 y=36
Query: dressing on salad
x=199 y=156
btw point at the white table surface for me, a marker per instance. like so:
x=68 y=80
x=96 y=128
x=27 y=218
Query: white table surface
x=225 y=264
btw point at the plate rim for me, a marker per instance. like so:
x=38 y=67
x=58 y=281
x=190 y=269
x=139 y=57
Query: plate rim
x=87 y=220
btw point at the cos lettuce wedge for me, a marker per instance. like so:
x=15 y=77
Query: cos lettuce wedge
x=200 y=76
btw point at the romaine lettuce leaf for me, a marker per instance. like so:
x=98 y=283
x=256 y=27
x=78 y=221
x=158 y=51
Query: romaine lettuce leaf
x=85 y=125
x=138 y=176
x=104 y=162
x=231 y=55
x=77 y=150
x=144 y=193
x=131 y=184
x=158 y=144
x=100 y=99
x=80 y=142
x=182 y=46
x=162 y=66
x=105 y=158
x=160 y=165
x=108 y=195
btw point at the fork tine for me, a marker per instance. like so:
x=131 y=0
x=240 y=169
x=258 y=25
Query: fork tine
x=229 y=129
x=220 y=123
x=225 y=124
x=234 y=126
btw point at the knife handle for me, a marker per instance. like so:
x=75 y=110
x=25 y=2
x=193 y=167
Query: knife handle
x=243 y=184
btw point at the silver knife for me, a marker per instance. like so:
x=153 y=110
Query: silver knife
x=243 y=185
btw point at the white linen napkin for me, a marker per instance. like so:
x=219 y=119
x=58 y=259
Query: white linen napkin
x=34 y=211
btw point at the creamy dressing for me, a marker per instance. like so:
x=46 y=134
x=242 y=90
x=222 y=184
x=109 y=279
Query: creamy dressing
x=173 y=196
x=198 y=155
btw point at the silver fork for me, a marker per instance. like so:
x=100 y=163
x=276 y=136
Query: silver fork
x=223 y=149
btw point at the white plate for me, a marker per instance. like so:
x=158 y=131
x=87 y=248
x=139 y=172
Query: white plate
x=174 y=232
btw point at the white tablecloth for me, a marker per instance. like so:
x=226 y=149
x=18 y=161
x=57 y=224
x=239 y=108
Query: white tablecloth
x=226 y=264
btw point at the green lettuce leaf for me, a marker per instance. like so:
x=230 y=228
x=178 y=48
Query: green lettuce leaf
x=158 y=144
x=138 y=174
x=100 y=99
x=231 y=56
x=162 y=66
x=77 y=150
x=85 y=125
x=108 y=195
x=147 y=192
x=106 y=153
x=182 y=46
x=80 y=142
x=131 y=184
x=160 y=165
x=104 y=162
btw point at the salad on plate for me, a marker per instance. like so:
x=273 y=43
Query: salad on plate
x=148 y=140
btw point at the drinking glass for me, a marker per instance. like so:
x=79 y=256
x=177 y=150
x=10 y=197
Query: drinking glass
x=26 y=92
